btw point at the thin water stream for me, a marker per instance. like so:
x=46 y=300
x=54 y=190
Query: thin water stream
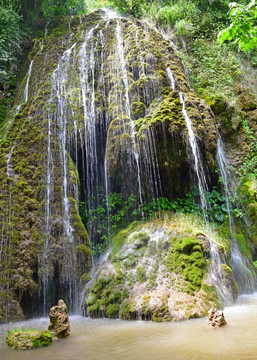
x=120 y=340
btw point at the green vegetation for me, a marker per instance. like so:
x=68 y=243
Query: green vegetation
x=51 y=8
x=114 y=213
x=187 y=257
x=243 y=29
x=249 y=165
x=143 y=273
x=28 y=338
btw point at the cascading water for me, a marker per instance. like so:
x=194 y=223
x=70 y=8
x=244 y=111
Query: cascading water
x=127 y=114
x=202 y=184
x=59 y=81
x=215 y=268
x=242 y=267
x=108 y=124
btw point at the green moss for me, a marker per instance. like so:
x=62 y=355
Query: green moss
x=85 y=278
x=104 y=298
x=162 y=314
x=112 y=311
x=211 y=294
x=28 y=339
x=242 y=244
x=120 y=278
x=91 y=299
x=188 y=245
x=84 y=250
x=100 y=284
x=139 y=239
x=127 y=310
x=141 y=274
x=125 y=294
x=187 y=258
x=229 y=281
x=120 y=238
x=131 y=278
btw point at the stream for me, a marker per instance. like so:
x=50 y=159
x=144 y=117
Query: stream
x=97 y=339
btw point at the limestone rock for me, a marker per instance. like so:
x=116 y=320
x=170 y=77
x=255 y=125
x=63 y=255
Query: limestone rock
x=59 y=320
x=216 y=318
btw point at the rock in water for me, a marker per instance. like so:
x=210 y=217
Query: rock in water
x=28 y=339
x=59 y=320
x=216 y=318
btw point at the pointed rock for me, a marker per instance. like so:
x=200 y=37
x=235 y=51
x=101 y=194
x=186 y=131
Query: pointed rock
x=59 y=320
x=216 y=318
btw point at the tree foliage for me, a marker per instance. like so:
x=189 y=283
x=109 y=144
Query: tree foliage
x=10 y=43
x=52 y=8
x=243 y=27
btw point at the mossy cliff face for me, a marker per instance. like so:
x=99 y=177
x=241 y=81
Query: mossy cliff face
x=158 y=271
x=100 y=112
x=238 y=128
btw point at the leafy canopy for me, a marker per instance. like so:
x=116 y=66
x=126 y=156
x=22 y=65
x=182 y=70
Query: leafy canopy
x=54 y=8
x=243 y=28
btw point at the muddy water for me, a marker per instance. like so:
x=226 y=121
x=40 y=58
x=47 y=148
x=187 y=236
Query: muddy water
x=120 y=340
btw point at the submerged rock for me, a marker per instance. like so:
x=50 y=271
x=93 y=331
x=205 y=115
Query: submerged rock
x=59 y=320
x=28 y=339
x=216 y=318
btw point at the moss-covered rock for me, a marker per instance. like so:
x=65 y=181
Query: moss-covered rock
x=28 y=339
x=158 y=272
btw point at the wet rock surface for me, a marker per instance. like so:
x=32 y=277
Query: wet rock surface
x=156 y=271
x=59 y=320
x=216 y=318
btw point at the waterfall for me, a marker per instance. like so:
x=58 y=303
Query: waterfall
x=104 y=115
x=26 y=91
x=215 y=268
x=202 y=184
x=198 y=167
x=171 y=78
x=121 y=60
x=216 y=275
x=242 y=266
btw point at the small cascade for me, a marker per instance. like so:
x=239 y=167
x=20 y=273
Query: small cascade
x=110 y=14
x=242 y=267
x=215 y=268
x=26 y=90
x=171 y=78
x=198 y=167
x=8 y=163
x=17 y=109
x=59 y=81
x=202 y=184
x=93 y=131
x=127 y=115
x=87 y=73
x=58 y=120
x=24 y=99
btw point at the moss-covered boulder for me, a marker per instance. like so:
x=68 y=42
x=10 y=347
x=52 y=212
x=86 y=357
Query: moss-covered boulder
x=158 y=271
x=28 y=339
